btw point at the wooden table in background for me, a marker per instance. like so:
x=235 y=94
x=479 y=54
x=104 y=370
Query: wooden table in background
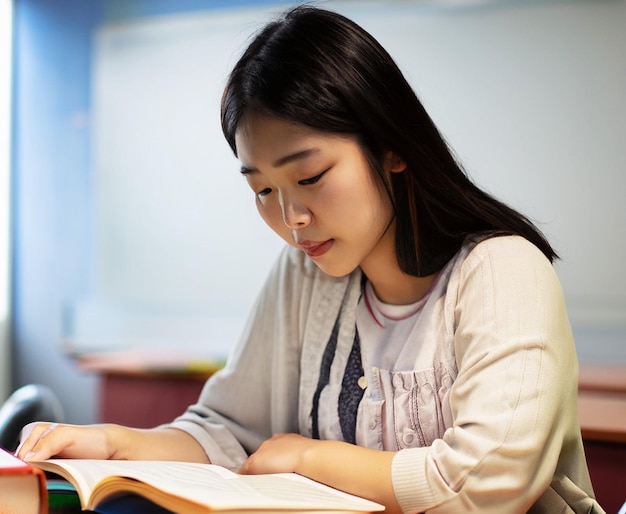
x=602 y=414
x=145 y=388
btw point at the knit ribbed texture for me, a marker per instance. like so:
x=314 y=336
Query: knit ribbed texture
x=408 y=471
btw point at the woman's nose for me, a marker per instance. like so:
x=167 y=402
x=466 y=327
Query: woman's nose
x=295 y=213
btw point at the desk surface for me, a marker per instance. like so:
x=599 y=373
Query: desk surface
x=609 y=378
x=602 y=416
x=151 y=362
x=602 y=402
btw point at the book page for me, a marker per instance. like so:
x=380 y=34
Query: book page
x=8 y=460
x=211 y=485
x=292 y=487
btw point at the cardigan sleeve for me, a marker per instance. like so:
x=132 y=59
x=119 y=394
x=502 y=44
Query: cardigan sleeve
x=254 y=396
x=513 y=402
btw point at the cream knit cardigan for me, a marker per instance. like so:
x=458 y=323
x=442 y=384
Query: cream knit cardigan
x=494 y=365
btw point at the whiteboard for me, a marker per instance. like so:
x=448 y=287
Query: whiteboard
x=529 y=95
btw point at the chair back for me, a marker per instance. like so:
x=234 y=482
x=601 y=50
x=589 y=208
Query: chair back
x=32 y=402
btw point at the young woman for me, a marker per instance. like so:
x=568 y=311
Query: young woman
x=411 y=344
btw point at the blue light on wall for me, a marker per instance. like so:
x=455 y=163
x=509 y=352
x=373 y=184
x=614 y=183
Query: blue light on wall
x=52 y=195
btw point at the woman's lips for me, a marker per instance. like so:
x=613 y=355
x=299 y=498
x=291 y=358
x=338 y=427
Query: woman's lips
x=316 y=248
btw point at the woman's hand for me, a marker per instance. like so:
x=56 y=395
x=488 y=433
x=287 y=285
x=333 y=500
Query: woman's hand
x=361 y=471
x=41 y=441
x=283 y=453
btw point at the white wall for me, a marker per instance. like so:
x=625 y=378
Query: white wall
x=529 y=94
x=6 y=15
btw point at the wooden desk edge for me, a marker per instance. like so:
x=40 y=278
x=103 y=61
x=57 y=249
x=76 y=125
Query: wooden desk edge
x=610 y=378
x=602 y=416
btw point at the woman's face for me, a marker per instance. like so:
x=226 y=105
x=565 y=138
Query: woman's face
x=317 y=192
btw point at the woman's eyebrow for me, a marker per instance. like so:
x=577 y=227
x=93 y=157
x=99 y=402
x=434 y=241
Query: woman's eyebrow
x=287 y=159
x=296 y=156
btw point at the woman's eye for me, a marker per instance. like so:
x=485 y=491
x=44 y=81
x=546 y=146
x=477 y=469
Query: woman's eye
x=312 y=180
x=264 y=192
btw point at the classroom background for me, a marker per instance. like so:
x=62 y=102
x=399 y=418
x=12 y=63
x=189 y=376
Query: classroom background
x=129 y=225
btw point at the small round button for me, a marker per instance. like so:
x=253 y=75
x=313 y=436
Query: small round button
x=362 y=382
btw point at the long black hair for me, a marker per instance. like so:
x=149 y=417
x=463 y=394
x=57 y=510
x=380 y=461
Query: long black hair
x=318 y=68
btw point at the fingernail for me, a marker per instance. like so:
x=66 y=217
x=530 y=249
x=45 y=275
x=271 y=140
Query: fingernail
x=29 y=455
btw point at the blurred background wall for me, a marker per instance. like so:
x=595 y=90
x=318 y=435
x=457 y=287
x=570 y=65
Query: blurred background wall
x=132 y=227
x=6 y=47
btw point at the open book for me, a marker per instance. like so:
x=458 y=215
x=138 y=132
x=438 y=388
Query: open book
x=199 y=488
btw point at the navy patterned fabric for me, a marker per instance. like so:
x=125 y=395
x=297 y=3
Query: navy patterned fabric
x=351 y=392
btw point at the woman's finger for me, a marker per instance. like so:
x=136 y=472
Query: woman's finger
x=31 y=433
x=46 y=440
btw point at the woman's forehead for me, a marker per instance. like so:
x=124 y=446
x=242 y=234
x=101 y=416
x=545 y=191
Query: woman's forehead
x=267 y=138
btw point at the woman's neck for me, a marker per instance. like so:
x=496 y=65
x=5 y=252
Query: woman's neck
x=398 y=288
x=391 y=284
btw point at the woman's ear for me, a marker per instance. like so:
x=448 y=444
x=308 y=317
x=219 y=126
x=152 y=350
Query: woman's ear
x=394 y=163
